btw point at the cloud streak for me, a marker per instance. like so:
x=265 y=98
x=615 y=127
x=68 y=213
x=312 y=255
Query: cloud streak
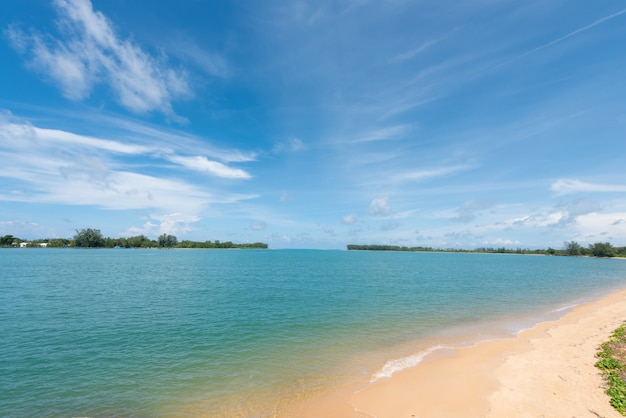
x=418 y=175
x=568 y=186
x=564 y=37
x=204 y=165
x=60 y=167
x=88 y=52
x=384 y=134
x=408 y=55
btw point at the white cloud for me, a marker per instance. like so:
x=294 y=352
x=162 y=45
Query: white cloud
x=147 y=229
x=118 y=191
x=501 y=241
x=202 y=164
x=171 y=224
x=567 y=186
x=88 y=52
x=67 y=138
x=380 y=207
x=594 y=227
x=536 y=220
x=60 y=167
x=175 y=223
x=572 y=210
x=349 y=219
x=53 y=146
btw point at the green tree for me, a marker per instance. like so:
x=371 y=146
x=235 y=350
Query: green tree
x=166 y=240
x=58 y=242
x=7 y=240
x=88 y=237
x=573 y=248
x=602 y=249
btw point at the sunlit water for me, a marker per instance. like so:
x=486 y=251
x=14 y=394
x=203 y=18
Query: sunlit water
x=147 y=333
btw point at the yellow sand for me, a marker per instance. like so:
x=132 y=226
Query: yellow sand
x=547 y=371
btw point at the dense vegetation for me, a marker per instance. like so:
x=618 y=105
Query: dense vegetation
x=92 y=238
x=613 y=365
x=572 y=248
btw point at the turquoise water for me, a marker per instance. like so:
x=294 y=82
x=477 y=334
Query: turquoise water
x=147 y=333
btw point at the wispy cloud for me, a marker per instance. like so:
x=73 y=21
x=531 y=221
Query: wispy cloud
x=55 y=166
x=384 y=134
x=567 y=186
x=167 y=140
x=88 y=52
x=407 y=55
x=417 y=175
x=313 y=13
x=44 y=143
x=202 y=164
x=188 y=51
x=564 y=37
x=64 y=138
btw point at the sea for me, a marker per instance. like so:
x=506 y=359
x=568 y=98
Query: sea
x=248 y=333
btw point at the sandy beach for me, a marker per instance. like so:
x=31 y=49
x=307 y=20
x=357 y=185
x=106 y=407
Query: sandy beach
x=546 y=371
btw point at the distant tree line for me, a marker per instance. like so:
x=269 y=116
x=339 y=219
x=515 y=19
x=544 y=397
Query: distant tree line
x=571 y=248
x=93 y=238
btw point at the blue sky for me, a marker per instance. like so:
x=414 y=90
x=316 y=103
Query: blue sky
x=314 y=124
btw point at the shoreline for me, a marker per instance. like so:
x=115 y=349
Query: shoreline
x=547 y=369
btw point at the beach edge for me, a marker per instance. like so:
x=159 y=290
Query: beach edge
x=546 y=370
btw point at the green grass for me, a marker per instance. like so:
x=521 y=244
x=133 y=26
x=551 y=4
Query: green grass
x=613 y=365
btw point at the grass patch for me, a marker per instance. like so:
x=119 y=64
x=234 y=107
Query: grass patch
x=613 y=365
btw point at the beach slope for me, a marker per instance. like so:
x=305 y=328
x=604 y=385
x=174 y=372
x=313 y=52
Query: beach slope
x=544 y=371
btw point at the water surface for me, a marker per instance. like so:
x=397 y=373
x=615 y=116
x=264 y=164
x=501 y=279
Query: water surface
x=149 y=333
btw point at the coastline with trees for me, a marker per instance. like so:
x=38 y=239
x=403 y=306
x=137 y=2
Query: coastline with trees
x=571 y=248
x=93 y=238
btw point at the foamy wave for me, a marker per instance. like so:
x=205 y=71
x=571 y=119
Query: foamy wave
x=564 y=308
x=396 y=365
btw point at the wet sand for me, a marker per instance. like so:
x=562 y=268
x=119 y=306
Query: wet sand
x=544 y=371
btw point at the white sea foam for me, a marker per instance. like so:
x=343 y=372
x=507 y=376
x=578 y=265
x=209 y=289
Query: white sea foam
x=564 y=308
x=396 y=365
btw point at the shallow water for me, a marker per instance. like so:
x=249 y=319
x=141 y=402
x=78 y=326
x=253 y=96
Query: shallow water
x=242 y=333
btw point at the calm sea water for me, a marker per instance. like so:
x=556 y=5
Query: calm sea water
x=147 y=333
